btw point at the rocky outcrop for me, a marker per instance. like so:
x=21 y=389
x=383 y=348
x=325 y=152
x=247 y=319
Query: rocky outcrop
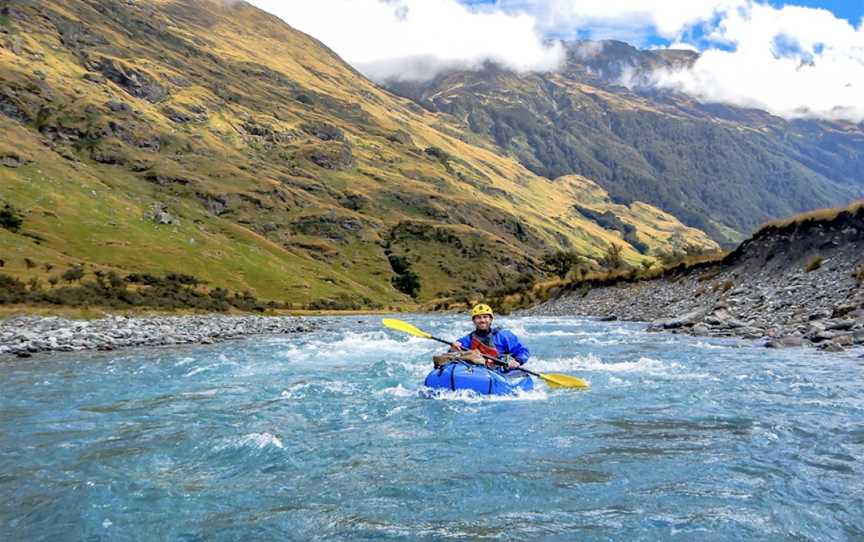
x=795 y=285
x=135 y=82
x=336 y=157
x=159 y=214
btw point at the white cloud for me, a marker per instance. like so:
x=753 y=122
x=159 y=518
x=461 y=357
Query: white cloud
x=414 y=39
x=620 y=18
x=792 y=61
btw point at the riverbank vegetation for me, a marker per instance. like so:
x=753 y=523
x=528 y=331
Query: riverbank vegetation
x=76 y=287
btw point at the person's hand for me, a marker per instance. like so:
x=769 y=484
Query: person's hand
x=456 y=346
x=513 y=364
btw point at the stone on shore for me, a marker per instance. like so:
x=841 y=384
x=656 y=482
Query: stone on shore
x=27 y=335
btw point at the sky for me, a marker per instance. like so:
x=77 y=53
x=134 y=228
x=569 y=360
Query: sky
x=796 y=59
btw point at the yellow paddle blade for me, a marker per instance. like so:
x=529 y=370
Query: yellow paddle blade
x=405 y=327
x=564 y=381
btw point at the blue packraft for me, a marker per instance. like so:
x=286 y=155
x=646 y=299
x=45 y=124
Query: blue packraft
x=477 y=378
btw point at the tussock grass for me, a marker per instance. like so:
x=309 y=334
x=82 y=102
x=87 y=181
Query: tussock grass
x=818 y=215
x=858 y=275
x=814 y=263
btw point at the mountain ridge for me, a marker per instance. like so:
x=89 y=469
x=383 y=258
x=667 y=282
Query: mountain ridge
x=721 y=168
x=168 y=137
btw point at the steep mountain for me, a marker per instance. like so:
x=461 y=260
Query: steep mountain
x=209 y=138
x=722 y=169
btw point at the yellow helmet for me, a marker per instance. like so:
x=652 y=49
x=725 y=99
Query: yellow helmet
x=482 y=309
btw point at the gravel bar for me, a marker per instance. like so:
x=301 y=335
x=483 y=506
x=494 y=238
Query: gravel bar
x=24 y=336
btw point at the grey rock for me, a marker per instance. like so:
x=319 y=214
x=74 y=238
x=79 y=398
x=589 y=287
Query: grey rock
x=700 y=330
x=821 y=336
x=819 y=315
x=843 y=340
x=786 y=342
x=688 y=319
x=841 y=325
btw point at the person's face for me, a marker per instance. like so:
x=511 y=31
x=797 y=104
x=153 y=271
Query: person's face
x=483 y=322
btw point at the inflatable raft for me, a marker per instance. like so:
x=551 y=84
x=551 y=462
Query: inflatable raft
x=477 y=378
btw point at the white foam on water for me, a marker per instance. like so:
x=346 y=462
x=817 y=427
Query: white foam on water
x=591 y=363
x=470 y=396
x=197 y=370
x=299 y=390
x=184 y=361
x=260 y=441
x=398 y=391
x=369 y=345
x=709 y=346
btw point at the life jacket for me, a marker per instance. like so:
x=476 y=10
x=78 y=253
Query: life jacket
x=485 y=346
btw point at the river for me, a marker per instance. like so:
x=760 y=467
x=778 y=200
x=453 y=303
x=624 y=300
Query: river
x=328 y=436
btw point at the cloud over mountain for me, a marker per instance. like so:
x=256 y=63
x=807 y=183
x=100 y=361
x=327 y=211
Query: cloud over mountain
x=792 y=61
x=416 y=39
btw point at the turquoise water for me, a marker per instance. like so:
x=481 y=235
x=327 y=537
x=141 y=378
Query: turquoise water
x=326 y=436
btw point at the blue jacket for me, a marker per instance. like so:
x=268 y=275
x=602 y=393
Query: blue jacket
x=505 y=342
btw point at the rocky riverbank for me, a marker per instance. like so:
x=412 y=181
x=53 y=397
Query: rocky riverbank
x=797 y=285
x=24 y=336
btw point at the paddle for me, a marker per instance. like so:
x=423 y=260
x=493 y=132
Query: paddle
x=554 y=380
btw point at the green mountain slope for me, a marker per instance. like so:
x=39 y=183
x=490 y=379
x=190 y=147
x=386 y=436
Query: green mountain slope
x=211 y=139
x=716 y=167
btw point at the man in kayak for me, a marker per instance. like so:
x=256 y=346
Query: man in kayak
x=495 y=342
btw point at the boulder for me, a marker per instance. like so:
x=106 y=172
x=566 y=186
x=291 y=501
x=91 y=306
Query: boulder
x=841 y=325
x=118 y=107
x=786 y=342
x=700 y=330
x=819 y=315
x=843 y=340
x=160 y=215
x=13 y=160
x=686 y=320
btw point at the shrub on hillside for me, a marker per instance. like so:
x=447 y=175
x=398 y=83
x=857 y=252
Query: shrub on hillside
x=561 y=262
x=74 y=273
x=613 y=258
x=9 y=219
x=12 y=290
x=407 y=283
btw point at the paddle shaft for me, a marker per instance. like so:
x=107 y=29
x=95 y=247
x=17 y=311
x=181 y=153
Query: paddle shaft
x=490 y=358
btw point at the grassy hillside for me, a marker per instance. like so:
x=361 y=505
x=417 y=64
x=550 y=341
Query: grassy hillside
x=195 y=137
x=721 y=169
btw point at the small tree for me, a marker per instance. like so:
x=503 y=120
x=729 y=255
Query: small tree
x=613 y=259
x=47 y=267
x=29 y=263
x=407 y=283
x=561 y=262
x=9 y=219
